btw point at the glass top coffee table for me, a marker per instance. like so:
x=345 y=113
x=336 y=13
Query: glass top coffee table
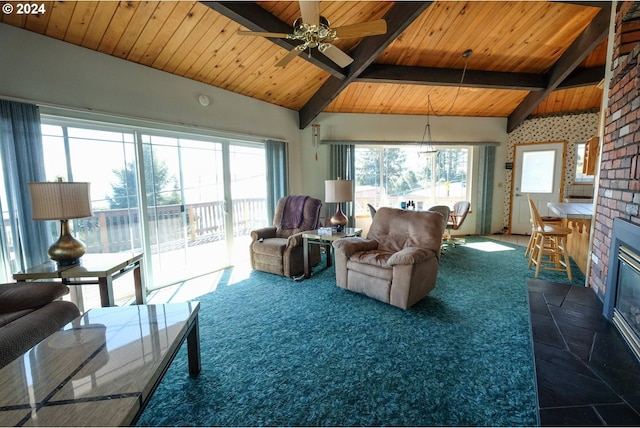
x=317 y=238
x=100 y=369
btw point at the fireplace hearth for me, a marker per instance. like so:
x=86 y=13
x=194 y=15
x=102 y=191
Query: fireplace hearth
x=622 y=296
x=586 y=374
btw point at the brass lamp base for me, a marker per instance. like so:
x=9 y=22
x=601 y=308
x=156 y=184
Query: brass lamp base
x=67 y=250
x=339 y=220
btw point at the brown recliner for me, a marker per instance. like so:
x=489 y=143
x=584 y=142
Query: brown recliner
x=278 y=249
x=398 y=261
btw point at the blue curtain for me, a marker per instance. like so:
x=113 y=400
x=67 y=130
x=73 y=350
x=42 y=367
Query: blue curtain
x=23 y=162
x=342 y=166
x=276 y=155
x=485 y=191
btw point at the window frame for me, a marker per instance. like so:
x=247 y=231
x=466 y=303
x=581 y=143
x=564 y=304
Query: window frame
x=579 y=177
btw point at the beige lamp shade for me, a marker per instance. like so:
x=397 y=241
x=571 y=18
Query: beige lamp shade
x=336 y=191
x=60 y=200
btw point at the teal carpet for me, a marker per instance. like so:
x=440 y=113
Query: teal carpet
x=282 y=353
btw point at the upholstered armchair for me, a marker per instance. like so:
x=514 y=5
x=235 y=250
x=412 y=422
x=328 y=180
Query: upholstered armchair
x=397 y=263
x=278 y=249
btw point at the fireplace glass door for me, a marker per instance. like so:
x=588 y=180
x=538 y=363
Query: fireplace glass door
x=628 y=298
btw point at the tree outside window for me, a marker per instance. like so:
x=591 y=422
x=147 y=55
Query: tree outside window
x=387 y=176
x=163 y=185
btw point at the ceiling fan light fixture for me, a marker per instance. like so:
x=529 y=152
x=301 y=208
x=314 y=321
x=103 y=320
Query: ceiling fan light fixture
x=314 y=31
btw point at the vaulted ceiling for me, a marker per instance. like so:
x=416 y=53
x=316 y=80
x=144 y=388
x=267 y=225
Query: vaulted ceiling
x=528 y=58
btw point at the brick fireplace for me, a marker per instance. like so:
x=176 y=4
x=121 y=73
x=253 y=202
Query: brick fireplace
x=619 y=186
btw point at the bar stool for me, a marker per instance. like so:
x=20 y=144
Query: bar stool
x=549 y=250
x=547 y=220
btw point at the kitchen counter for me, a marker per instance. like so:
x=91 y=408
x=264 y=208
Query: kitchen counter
x=572 y=210
x=577 y=217
x=579 y=199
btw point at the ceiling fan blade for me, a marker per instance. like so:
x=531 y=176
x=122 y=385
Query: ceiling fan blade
x=363 y=29
x=310 y=11
x=288 y=57
x=261 y=34
x=337 y=56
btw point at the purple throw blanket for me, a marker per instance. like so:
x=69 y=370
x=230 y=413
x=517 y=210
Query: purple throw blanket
x=292 y=211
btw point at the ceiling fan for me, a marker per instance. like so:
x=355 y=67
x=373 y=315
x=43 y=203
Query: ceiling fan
x=314 y=31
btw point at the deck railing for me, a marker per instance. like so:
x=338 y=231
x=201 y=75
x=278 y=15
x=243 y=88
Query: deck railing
x=170 y=226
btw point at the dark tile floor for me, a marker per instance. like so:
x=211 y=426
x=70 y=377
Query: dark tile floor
x=586 y=374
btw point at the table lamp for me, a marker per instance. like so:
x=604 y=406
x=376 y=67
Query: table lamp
x=62 y=201
x=338 y=191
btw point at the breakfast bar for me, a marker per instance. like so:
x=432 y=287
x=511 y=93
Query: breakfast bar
x=577 y=217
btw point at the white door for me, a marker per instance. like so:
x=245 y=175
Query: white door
x=538 y=172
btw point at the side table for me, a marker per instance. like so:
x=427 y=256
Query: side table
x=314 y=237
x=104 y=268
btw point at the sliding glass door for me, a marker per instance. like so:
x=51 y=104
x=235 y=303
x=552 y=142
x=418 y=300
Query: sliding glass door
x=106 y=159
x=185 y=199
x=248 y=189
x=188 y=202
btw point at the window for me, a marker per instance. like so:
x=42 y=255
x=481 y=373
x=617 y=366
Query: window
x=204 y=194
x=102 y=158
x=387 y=176
x=538 y=171
x=581 y=177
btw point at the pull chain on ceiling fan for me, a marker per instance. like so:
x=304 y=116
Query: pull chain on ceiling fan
x=314 y=31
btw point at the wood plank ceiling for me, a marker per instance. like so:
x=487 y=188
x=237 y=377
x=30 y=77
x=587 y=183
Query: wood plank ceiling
x=529 y=58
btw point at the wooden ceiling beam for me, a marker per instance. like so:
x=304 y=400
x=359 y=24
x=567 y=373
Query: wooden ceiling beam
x=586 y=42
x=398 y=74
x=583 y=77
x=395 y=74
x=398 y=18
x=255 y=18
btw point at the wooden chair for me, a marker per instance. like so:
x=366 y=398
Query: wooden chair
x=549 y=250
x=546 y=220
